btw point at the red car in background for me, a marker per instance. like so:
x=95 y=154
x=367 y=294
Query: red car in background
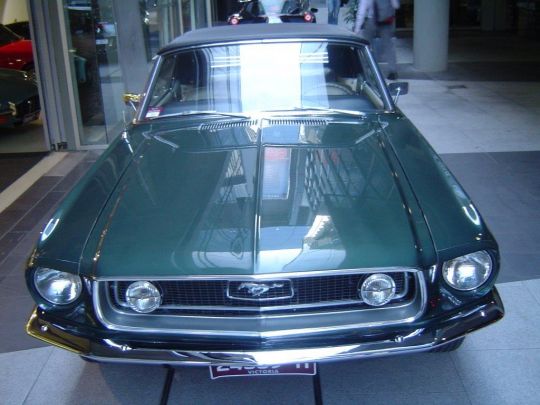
x=15 y=52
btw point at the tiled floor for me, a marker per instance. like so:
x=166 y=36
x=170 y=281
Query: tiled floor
x=23 y=139
x=488 y=133
x=13 y=166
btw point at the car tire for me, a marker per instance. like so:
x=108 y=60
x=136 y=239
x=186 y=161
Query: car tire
x=448 y=347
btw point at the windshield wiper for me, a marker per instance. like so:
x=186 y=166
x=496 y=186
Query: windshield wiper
x=331 y=111
x=323 y=110
x=188 y=113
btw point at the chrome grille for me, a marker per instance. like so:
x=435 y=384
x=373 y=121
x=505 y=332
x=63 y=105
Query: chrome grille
x=308 y=294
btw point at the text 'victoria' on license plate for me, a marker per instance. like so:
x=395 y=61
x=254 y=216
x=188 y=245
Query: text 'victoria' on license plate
x=251 y=371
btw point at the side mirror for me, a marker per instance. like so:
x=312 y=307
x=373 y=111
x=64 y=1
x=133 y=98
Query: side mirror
x=132 y=99
x=314 y=10
x=397 y=89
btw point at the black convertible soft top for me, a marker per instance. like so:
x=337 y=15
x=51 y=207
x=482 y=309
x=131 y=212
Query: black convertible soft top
x=254 y=32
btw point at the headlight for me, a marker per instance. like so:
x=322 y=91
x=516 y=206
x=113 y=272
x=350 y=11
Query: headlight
x=12 y=108
x=143 y=297
x=378 y=289
x=468 y=272
x=57 y=287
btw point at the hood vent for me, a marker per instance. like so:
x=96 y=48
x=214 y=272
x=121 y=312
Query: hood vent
x=311 y=122
x=227 y=125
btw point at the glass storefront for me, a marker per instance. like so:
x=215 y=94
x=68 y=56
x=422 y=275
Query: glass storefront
x=109 y=56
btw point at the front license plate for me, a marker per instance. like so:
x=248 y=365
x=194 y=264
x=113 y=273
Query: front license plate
x=102 y=41
x=252 y=371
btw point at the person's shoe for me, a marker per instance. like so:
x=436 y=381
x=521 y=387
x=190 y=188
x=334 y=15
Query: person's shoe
x=392 y=76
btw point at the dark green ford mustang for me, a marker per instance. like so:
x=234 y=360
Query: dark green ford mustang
x=269 y=204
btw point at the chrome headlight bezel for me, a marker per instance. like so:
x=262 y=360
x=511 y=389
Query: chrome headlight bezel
x=55 y=287
x=478 y=268
x=143 y=297
x=378 y=283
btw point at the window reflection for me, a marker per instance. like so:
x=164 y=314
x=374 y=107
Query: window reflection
x=265 y=77
x=339 y=199
x=111 y=44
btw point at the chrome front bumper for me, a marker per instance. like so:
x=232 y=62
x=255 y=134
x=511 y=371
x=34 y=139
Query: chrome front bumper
x=421 y=339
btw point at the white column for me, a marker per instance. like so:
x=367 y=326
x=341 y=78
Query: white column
x=430 y=47
x=131 y=45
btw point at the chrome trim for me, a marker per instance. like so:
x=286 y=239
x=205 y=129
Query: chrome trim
x=395 y=297
x=322 y=305
x=258 y=329
x=263 y=316
x=290 y=295
x=431 y=334
x=223 y=308
x=269 y=358
x=143 y=106
x=265 y=276
x=389 y=103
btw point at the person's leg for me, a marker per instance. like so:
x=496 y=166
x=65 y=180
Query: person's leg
x=333 y=11
x=369 y=31
x=388 y=49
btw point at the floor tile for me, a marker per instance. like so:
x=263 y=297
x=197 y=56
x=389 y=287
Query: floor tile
x=13 y=286
x=74 y=175
x=501 y=377
x=534 y=288
x=18 y=373
x=393 y=376
x=519 y=161
x=13 y=317
x=8 y=219
x=36 y=192
x=67 y=379
x=520 y=327
x=14 y=264
x=14 y=165
x=447 y=398
x=38 y=211
x=67 y=164
x=519 y=266
x=8 y=242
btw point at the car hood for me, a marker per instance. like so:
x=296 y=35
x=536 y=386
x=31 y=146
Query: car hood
x=21 y=48
x=249 y=197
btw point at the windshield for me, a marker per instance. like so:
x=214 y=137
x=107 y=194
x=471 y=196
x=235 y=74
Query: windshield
x=7 y=36
x=251 y=78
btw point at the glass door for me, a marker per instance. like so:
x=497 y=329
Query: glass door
x=110 y=45
x=93 y=49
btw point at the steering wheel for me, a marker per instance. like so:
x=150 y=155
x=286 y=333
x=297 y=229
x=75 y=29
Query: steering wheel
x=330 y=89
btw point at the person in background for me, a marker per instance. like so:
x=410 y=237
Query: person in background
x=376 y=18
x=333 y=11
